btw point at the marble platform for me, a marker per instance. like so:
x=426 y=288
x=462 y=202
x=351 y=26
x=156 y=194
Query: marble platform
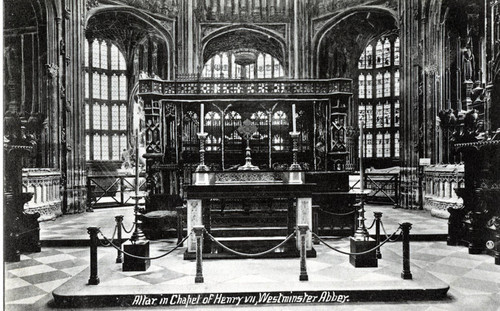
x=170 y=281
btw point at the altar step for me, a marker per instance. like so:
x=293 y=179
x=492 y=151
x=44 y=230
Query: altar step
x=248 y=231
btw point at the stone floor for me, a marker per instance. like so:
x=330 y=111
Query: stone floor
x=474 y=279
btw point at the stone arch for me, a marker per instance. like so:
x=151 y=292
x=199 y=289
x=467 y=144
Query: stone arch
x=334 y=19
x=245 y=36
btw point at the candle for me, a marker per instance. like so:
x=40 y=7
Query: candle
x=136 y=162
x=202 y=118
x=294 y=121
x=361 y=141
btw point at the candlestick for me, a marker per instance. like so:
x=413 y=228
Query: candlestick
x=361 y=149
x=294 y=121
x=136 y=162
x=202 y=118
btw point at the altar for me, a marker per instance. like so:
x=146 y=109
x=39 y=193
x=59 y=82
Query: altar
x=249 y=211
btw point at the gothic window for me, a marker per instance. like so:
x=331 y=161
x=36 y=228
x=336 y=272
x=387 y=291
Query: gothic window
x=223 y=65
x=396 y=83
x=369 y=86
x=361 y=87
x=379 y=58
x=396 y=113
x=280 y=128
x=387 y=84
x=213 y=128
x=213 y=143
x=396 y=144
x=278 y=143
x=105 y=101
x=387 y=145
x=362 y=61
x=190 y=126
x=387 y=53
x=396 y=52
x=369 y=145
x=379 y=85
x=379 y=146
x=387 y=114
x=369 y=115
x=379 y=115
x=362 y=116
x=369 y=56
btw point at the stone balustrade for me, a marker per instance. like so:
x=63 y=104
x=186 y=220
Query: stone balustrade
x=440 y=182
x=44 y=183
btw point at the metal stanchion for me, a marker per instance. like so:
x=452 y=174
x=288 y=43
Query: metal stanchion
x=119 y=221
x=378 y=216
x=302 y=237
x=406 y=274
x=198 y=231
x=92 y=231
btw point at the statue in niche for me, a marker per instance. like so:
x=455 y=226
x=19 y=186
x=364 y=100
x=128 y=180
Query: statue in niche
x=468 y=59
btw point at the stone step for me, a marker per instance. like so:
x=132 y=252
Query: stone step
x=248 y=231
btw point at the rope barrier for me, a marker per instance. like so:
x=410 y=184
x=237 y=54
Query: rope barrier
x=337 y=214
x=361 y=253
x=146 y=258
x=382 y=225
x=371 y=226
x=112 y=239
x=128 y=231
x=247 y=254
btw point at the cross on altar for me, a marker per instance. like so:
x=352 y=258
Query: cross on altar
x=246 y=131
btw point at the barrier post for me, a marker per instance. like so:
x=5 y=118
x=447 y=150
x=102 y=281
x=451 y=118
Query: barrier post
x=119 y=221
x=92 y=231
x=378 y=216
x=198 y=231
x=302 y=236
x=406 y=274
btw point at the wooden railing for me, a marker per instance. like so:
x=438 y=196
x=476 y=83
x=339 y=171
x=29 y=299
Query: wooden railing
x=112 y=189
x=44 y=183
x=256 y=87
x=440 y=182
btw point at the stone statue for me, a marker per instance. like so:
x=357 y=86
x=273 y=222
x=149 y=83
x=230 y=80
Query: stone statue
x=468 y=60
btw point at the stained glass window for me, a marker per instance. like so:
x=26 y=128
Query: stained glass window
x=362 y=60
x=123 y=117
x=87 y=85
x=369 y=115
x=104 y=117
x=96 y=59
x=115 y=122
x=379 y=55
x=87 y=116
x=369 y=56
x=396 y=113
x=97 y=147
x=396 y=144
x=379 y=85
x=362 y=116
x=387 y=84
x=96 y=85
x=123 y=142
x=268 y=66
x=223 y=65
x=104 y=87
x=369 y=86
x=396 y=52
x=96 y=125
x=123 y=87
x=115 y=87
x=369 y=145
x=396 y=83
x=86 y=54
x=278 y=143
x=87 y=146
x=379 y=146
x=387 y=114
x=387 y=145
x=217 y=66
x=104 y=55
x=115 y=147
x=387 y=52
x=280 y=118
x=379 y=115
x=361 y=87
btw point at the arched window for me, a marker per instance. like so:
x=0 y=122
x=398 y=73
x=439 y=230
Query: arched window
x=396 y=52
x=369 y=56
x=369 y=86
x=387 y=114
x=369 y=145
x=396 y=113
x=387 y=145
x=190 y=128
x=379 y=114
x=379 y=62
x=396 y=83
x=379 y=85
x=362 y=116
x=361 y=87
x=362 y=61
x=379 y=146
x=278 y=143
x=387 y=84
x=223 y=65
x=387 y=53
x=369 y=115
x=105 y=101
x=396 y=144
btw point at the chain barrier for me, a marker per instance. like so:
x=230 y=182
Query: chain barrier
x=383 y=229
x=247 y=254
x=110 y=241
x=128 y=231
x=337 y=214
x=361 y=253
x=145 y=258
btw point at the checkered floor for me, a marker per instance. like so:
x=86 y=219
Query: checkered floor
x=474 y=279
